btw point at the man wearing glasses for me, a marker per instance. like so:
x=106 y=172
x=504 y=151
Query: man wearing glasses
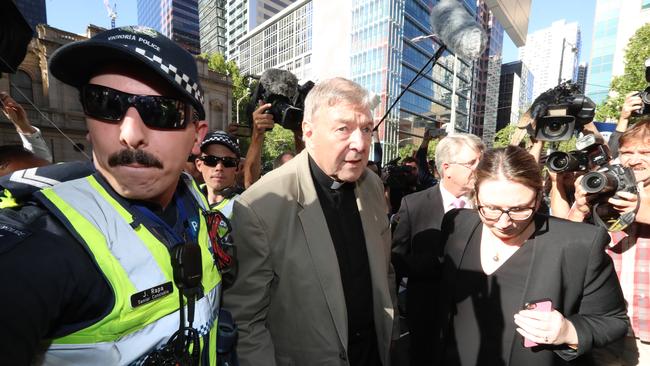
x=419 y=218
x=219 y=165
x=99 y=265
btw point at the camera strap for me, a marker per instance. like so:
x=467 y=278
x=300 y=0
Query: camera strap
x=621 y=222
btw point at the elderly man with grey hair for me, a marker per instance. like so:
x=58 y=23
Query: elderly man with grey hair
x=313 y=247
x=415 y=250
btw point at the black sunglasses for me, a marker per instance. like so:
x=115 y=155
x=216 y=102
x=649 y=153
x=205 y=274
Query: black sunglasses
x=212 y=161
x=108 y=104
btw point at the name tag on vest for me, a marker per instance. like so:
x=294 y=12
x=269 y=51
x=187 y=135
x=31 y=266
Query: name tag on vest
x=151 y=294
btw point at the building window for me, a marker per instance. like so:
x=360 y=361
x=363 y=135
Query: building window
x=645 y=4
x=21 y=87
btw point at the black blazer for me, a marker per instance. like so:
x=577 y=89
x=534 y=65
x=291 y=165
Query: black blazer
x=416 y=250
x=416 y=255
x=569 y=266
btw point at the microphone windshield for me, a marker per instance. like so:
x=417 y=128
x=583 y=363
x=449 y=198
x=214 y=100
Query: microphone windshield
x=457 y=29
x=280 y=82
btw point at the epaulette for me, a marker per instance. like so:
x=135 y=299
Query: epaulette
x=19 y=186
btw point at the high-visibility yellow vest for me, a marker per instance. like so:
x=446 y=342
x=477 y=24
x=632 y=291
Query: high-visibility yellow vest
x=133 y=261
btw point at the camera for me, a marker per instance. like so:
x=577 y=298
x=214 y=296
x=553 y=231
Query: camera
x=399 y=176
x=280 y=88
x=610 y=180
x=591 y=153
x=564 y=109
x=645 y=94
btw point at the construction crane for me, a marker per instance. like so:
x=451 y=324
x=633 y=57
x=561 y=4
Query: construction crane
x=111 y=12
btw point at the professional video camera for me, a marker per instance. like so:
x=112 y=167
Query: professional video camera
x=645 y=94
x=287 y=97
x=559 y=112
x=399 y=176
x=591 y=153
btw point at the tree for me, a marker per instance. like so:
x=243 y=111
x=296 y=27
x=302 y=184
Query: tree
x=502 y=139
x=637 y=51
x=240 y=86
x=276 y=141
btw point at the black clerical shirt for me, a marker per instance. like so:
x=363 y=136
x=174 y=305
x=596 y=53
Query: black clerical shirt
x=344 y=223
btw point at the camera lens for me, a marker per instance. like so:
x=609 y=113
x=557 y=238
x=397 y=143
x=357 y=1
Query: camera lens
x=558 y=161
x=599 y=182
x=594 y=182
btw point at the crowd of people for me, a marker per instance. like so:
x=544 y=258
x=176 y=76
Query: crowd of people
x=172 y=248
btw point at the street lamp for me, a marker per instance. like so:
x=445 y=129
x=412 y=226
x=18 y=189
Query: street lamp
x=238 y=101
x=574 y=49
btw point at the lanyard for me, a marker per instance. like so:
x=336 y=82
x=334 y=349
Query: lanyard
x=176 y=234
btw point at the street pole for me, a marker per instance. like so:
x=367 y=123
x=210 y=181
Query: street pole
x=238 y=101
x=559 y=77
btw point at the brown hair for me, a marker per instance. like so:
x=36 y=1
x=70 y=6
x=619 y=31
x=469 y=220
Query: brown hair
x=640 y=131
x=513 y=163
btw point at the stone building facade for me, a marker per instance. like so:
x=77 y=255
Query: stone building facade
x=55 y=109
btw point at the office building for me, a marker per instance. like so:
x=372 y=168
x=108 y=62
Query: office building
x=244 y=15
x=381 y=44
x=34 y=11
x=487 y=71
x=615 y=22
x=581 y=80
x=515 y=93
x=177 y=19
x=552 y=55
x=212 y=26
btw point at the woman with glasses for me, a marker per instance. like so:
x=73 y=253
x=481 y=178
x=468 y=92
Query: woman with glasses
x=519 y=287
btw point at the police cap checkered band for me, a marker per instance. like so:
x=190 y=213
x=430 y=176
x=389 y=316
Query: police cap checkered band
x=75 y=63
x=221 y=138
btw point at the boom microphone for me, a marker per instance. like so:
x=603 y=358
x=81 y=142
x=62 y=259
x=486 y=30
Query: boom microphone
x=279 y=82
x=456 y=28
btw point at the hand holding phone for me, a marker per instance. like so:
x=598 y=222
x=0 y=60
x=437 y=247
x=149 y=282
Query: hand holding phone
x=537 y=305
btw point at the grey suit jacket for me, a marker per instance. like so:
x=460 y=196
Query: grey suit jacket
x=288 y=298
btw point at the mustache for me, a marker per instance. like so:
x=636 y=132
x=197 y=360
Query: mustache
x=126 y=157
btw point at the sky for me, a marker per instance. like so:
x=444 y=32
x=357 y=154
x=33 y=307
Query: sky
x=75 y=15
x=544 y=12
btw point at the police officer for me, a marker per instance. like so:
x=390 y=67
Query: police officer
x=219 y=165
x=93 y=269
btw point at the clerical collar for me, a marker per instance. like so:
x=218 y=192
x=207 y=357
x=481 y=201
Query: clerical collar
x=325 y=180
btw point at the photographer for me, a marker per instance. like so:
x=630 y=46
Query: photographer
x=30 y=136
x=629 y=248
x=425 y=178
x=632 y=103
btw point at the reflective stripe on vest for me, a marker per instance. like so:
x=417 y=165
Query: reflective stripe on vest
x=226 y=205
x=132 y=260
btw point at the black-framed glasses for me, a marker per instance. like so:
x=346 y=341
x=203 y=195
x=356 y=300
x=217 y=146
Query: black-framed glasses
x=212 y=161
x=156 y=111
x=514 y=213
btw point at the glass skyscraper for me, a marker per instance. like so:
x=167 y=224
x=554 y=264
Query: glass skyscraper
x=212 y=22
x=615 y=22
x=177 y=19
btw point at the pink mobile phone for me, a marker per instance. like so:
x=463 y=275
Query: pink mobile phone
x=537 y=305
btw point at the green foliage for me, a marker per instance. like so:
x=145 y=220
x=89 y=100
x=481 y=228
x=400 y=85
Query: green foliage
x=240 y=87
x=276 y=141
x=406 y=150
x=410 y=149
x=503 y=136
x=637 y=51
